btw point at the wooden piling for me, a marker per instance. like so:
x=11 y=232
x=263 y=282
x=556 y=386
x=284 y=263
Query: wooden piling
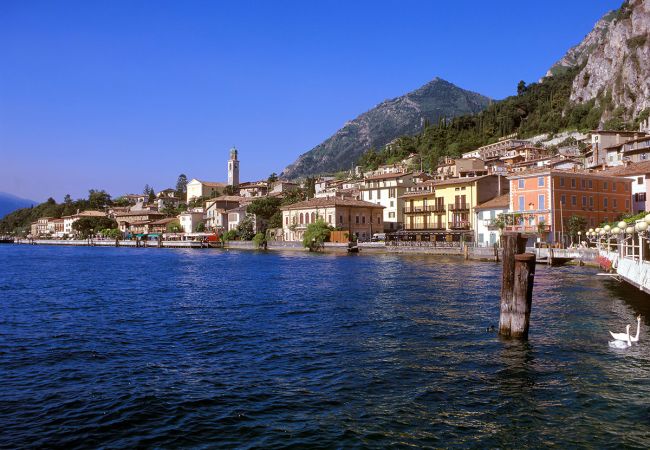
x=512 y=244
x=522 y=295
x=496 y=253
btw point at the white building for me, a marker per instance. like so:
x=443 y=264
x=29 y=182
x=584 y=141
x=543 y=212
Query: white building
x=69 y=220
x=385 y=190
x=190 y=220
x=207 y=189
x=487 y=233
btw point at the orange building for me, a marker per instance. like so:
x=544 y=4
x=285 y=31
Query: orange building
x=542 y=201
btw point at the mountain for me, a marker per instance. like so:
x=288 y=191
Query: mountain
x=9 y=203
x=614 y=62
x=389 y=120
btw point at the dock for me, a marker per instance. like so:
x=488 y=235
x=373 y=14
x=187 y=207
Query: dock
x=118 y=243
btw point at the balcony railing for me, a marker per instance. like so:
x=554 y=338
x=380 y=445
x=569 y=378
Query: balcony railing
x=528 y=228
x=425 y=226
x=458 y=207
x=459 y=225
x=422 y=209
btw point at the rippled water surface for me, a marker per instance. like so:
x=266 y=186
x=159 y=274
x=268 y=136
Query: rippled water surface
x=172 y=348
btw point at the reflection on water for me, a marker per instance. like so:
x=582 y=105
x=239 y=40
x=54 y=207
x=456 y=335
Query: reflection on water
x=126 y=347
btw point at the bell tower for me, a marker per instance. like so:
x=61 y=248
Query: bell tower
x=233 y=168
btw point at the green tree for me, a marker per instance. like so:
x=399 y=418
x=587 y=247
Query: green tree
x=121 y=201
x=245 y=228
x=181 y=186
x=259 y=240
x=152 y=195
x=229 y=235
x=272 y=178
x=310 y=187
x=87 y=226
x=230 y=190
x=174 y=227
x=111 y=233
x=98 y=199
x=521 y=88
x=316 y=234
x=574 y=224
x=200 y=227
x=264 y=207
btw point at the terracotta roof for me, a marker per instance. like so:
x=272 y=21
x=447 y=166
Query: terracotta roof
x=139 y=213
x=90 y=213
x=388 y=175
x=639 y=168
x=502 y=201
x=227 y=198
x=459 y=180
x=568 y=172
x=139 y=222
x=325 y=202
x=164 y=221
x=212 y=183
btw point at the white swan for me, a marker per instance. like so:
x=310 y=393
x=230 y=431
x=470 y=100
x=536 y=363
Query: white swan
x=622 y=344
x=638 y=327
x=621 y=336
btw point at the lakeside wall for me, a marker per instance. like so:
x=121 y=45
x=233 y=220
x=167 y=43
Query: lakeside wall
x=586 y=255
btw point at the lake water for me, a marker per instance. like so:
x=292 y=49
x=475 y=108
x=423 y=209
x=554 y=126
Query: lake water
x=120 y=347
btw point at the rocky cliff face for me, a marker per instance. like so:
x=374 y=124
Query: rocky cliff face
x=389 y=120
x=616 y=58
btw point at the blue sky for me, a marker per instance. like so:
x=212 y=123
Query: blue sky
x=113 y=95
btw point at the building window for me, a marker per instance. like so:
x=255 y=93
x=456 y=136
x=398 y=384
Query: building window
x=378 y=194
x=379 y=220
x=392 y=193
x=391 y=215
x=313 y=217
x=641 y=197
x=591 y=202
x=573 y=182
x=363 y=219
x=605 y=202
x=614 y=202
x=341 y=218
x=540 y=181
x=357 y=219
x=370 y=195
x=614 y=186
x=521 y=183
x=639 y=180
x=591 y=184
x=286 y=220
x=392 y=203
x=584 y=200
x=542 y=203
x=563 y=199
x=521 y=203
x=302 y=219
x=583 y=183
x=562 y=181
x=605 y=185
x=574 y=200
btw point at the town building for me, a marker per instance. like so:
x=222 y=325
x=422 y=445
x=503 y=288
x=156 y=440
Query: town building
x=461 y=167
x=216 y=211
x=605 y=147
x=386 y=190
x=251 y=189
x=69 y=220
x=542 y=201
x=205 y=189
x=190 y=220
x=639 y=174
x=135 y=222
x=488 y=214
x=495 y=150
x=167 y=199
x=359 y=218
x=445 y=210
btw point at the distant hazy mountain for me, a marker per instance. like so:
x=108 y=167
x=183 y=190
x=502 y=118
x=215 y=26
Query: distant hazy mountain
x=9 y=203
x=391 y=119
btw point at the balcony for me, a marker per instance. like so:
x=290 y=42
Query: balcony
x=459 y=225
x=458 y=207
x=424 y=226
x=423 y=209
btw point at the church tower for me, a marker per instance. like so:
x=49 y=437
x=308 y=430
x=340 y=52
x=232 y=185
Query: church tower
x=233 y=168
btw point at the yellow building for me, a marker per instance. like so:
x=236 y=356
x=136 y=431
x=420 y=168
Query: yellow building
x=444 y=210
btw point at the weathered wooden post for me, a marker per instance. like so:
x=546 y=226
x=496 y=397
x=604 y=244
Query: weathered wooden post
x=496 y=253
x=522 y=295
x=512 y=244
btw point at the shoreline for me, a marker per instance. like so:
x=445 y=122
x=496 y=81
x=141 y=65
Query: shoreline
x=484 y=254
